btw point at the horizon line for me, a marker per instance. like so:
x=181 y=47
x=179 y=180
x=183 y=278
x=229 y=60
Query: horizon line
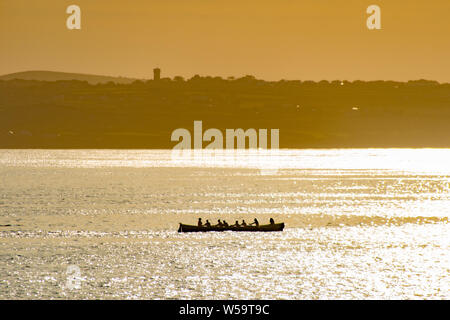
x=215 y=76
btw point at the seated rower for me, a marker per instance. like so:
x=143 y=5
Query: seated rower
x=236 y=224
x=219 y=223
x=225 y=224
x=244 y=224
x=255 y=222
x=272 y=221
x=199 y=222
x=207 y=224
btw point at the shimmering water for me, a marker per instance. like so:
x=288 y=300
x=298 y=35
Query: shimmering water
x=360 y=224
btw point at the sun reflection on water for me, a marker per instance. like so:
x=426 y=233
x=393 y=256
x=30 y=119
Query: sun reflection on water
x=361 y=224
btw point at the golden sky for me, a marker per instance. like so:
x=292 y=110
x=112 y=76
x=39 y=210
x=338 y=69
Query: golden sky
x=270 y=39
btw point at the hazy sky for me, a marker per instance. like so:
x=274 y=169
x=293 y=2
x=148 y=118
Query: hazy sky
x=270 y=39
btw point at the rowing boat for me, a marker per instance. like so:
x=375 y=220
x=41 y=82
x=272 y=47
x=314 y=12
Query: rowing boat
x=261 y=228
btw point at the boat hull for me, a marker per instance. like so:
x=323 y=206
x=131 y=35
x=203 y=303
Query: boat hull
x=261 y=228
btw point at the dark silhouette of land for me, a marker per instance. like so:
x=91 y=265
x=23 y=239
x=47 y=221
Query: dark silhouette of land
x=58 y=76
x=143 y=114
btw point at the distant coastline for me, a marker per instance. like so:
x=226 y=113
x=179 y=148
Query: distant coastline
x=75 y=111
x=47 y=75
x=61 y=76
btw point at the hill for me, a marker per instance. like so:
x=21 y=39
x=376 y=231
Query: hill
x=337 y=114
x=58 y=76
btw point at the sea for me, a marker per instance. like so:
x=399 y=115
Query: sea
x=102 y=224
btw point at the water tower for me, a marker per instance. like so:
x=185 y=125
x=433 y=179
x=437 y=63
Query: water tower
x=156 y=74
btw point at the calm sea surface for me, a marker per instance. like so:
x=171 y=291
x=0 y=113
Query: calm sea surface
x=360 y=224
